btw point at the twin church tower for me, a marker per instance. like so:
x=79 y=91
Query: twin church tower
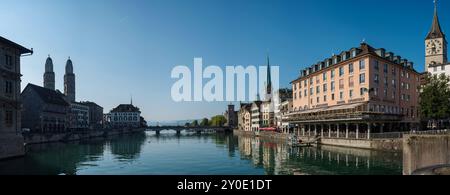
x=69 y=79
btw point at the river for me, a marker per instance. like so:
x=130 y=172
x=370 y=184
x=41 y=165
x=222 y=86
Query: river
x=193 y=154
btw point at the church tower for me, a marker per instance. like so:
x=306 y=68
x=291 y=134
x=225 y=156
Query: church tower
x=49 y=75
x=435 y=44
x=269 y=89
x=69 y=82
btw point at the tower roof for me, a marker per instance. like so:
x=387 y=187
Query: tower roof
x=49 y=64
x=435 y=31
x=69 y=66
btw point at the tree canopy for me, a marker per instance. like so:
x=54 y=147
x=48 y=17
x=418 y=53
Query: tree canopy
x=435 y=97
x=218 y=121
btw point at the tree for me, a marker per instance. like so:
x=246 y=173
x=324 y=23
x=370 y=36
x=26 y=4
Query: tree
x=218 y=121
x=435 y=99
x=194 y=123
x=204 y=123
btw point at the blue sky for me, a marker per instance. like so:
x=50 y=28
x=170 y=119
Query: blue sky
x=121 y=47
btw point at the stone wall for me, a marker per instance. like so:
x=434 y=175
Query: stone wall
x=11 y=145
x=420 y=151
x=38 y=138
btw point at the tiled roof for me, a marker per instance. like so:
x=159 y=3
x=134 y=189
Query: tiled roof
x=126 y=108
x=48 y=96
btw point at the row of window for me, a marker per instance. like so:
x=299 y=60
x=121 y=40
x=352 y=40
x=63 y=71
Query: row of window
x=362 y=80
x=125 y=118
x=362 y=91
x=413 y=113
x=435 y=69
x=362 y=66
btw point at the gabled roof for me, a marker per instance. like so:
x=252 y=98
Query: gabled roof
x=47 y=95
x=21 y=48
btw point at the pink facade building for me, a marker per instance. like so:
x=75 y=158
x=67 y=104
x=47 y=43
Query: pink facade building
x=355 y=94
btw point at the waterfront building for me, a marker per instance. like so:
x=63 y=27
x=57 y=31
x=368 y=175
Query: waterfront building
x=95 y=115
x=436 y=61
x=78 y=116
x=256 y=115
x=69 y=82
x=281 y=95
x=143 y=122
x=286 y=107
x=231 y=116
x=124 y=116
x=268 y=114
x=11 y=140
x=245 y=117
x=49 y=75
x=44 y=110
x=356 y=93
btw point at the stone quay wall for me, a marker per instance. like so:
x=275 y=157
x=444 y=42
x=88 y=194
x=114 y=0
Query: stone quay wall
x=422 y=151
x=39 y=138
x=373 y=144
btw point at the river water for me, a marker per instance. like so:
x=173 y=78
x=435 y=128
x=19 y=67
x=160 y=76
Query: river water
x=193 y=154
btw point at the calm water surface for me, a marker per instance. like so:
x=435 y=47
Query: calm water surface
x=192 y=154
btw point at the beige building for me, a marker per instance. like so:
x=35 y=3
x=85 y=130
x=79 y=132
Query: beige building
x=245 y=117
x=268 y=114
x=256 y=115
x=356 y=93
x=11 y=140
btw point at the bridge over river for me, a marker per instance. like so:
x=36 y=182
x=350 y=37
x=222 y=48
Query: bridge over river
x=197 y=129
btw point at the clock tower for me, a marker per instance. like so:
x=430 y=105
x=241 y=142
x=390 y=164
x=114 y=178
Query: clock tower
x=435 y=43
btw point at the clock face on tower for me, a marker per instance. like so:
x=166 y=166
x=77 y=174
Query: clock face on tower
x=434 y=47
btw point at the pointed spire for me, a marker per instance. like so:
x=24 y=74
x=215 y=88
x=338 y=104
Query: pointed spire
x=435 y=31
x=269 y=76
x=131 y=102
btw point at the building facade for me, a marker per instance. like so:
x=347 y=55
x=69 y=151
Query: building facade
x=286 y=107
x=268 y=114
x=280 y=96
x=11 y=140
x=95 y=115
x=231 y=116
x=78 y=116
x=44 y=110
x=245 y=117
x=124 y=116
x=361 y=90
x=436 y=61
x=256 y=115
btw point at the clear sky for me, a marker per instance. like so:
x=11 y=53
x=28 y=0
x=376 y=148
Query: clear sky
x=124 y=47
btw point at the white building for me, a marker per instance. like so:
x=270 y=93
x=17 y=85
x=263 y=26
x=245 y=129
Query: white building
x=124 y=116
x=256 y=115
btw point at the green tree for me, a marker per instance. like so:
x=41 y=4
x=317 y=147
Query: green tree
x=194 y=123
x=204 y=123
x=218 y=121
x=435 y=99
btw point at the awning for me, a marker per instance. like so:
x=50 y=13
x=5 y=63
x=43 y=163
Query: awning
x=339 y=107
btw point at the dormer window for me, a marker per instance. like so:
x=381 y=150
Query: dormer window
x=354 y=53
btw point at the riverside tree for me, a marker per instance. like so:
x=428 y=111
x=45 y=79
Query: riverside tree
x=218 y=121
x=204 y=123
x=435 y=99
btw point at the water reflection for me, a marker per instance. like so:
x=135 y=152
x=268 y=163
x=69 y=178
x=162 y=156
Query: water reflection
x=280 y=159
x=196 y=154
